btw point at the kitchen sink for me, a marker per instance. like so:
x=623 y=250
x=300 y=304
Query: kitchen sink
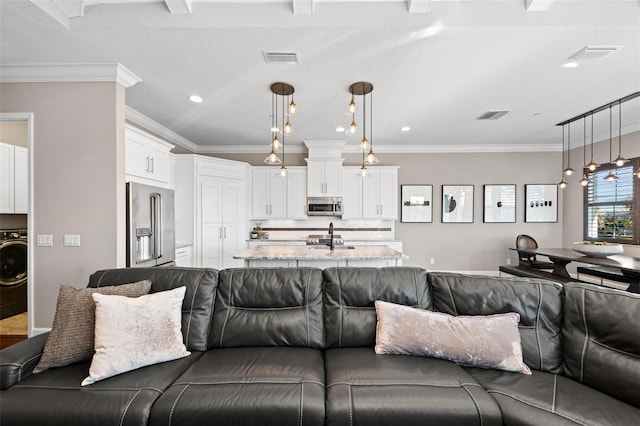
x=328 y=248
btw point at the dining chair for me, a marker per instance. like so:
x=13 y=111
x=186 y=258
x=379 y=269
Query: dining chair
x=524 y=241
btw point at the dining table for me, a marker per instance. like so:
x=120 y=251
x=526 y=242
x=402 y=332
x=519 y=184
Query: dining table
x=561 y=257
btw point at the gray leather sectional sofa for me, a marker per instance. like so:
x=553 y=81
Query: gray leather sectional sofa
x=294 y=346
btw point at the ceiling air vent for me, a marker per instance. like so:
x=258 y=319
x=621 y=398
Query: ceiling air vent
x=280 y=57
x=492 y=115
x=595 y=52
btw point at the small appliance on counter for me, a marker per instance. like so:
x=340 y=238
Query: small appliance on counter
x=150 y=226
x=324 y=206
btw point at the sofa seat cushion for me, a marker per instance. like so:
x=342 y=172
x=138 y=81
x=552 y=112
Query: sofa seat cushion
x=546 y=398
x=55 y=397
x=251 y=385
x=368 y=389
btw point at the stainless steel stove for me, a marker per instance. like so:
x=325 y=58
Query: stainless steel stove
x=324 y=240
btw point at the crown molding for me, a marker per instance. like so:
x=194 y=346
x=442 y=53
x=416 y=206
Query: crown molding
x=68 y=73
x=141 y=120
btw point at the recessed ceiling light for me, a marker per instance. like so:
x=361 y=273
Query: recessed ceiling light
x=195 y=98
x=405 y=129
x=340 y=129
x=570 y=65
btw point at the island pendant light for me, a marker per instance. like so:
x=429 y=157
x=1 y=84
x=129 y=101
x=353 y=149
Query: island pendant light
x=568 y=171
x=363 y=88
x=280 y=91
x=563 y=183
x=585 y=180
x=610 y=177
x=592 y=166
x=620 y=161
x=273 y=159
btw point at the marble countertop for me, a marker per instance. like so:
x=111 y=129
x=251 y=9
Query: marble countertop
x=183 y=245
x=318 y=253
x=303 y=240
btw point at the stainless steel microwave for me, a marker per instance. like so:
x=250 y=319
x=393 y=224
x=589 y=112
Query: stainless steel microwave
x=324 y=206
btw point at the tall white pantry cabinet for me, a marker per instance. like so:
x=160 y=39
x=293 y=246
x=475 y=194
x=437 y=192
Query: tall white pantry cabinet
x=210 y=208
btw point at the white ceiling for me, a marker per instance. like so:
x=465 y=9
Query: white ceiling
x=434 y=71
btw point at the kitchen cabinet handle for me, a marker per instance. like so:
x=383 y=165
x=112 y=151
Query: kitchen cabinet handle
x=266 y=208
x=220 y=233
x=151 y=165
x=147 y=163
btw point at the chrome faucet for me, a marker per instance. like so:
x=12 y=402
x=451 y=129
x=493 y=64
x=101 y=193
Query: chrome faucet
x=331 y=235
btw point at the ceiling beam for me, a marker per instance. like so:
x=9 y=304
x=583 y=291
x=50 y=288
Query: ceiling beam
x=418 y=6
x=537 y=5
x=303 y=7
x=179 y=6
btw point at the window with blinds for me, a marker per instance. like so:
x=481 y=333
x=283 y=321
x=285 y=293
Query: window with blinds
x=610 y=207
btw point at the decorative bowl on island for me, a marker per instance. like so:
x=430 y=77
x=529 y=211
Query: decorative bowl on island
x=597 y=248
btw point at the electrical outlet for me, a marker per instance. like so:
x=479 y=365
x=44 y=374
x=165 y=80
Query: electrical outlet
x=508 y=261
x=432 y=261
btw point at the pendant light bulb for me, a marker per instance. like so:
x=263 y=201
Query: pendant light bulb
x=585 y=180
x=611 y=177
x=621 y=161
x=563 y=183
x=637 y=173
x=568 y=171
x=353 y=127
x=287 y=127
x=272 y=158
x=352 y=106
x=364 y=144
x=283 y=171
x=363 y=170
x=292 y=107
x=276 y=142
x=592 y=166
x=371 y=158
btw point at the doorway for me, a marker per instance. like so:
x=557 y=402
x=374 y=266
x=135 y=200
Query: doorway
x=16 y=222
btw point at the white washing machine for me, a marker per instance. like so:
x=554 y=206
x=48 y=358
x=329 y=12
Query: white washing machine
x=13 y=272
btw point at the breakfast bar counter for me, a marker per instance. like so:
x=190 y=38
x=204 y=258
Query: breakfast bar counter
x=320 y=256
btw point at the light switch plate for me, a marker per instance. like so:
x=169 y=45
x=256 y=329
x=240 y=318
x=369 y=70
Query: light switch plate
x=72 y=240
x=44 y=240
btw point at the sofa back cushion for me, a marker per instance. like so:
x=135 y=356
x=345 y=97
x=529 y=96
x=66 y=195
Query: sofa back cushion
x=268 y=307
x=350 y=295
x=539 y=303
x=601 y=338
x=197 y=306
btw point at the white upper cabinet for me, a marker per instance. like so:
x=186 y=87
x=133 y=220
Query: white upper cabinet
x=147 y=157
x=278 y=197
x=374 y=196
x=14 y=179
x=324 y=178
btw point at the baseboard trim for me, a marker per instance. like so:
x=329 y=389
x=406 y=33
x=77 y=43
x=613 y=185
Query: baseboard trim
x=37 y=331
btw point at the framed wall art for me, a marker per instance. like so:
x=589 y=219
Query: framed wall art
x=416 y=203
x=541 y=203
x=457 y=203
x=499 y=204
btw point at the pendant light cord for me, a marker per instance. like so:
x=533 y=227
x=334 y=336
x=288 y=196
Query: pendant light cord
x=592 y=138
x=610 y=136
x=619 y=129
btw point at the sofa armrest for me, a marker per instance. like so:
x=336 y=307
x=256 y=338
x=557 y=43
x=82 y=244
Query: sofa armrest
x=18 y=361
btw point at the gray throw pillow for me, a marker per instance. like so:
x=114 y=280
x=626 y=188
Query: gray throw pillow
x=72 y=332
x=491 y=341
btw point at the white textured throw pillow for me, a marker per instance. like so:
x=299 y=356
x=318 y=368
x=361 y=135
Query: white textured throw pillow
x=133 y=333
x=491 y=341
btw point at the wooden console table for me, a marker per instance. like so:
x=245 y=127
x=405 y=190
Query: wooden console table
x=561 y=257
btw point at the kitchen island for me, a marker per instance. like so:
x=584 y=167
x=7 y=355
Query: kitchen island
x=320 y=256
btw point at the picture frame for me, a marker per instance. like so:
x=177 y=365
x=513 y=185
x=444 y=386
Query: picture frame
x=416 y=203
x=499 y=203
x=541 y=203
x=457 y=203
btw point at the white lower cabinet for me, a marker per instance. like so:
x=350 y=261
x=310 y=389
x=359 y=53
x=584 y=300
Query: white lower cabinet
x=184 y=257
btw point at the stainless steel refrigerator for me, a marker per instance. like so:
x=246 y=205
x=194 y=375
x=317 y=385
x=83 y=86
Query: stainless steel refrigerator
x=150 y=226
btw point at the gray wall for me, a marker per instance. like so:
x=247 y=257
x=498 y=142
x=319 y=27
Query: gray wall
x=78 y=158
